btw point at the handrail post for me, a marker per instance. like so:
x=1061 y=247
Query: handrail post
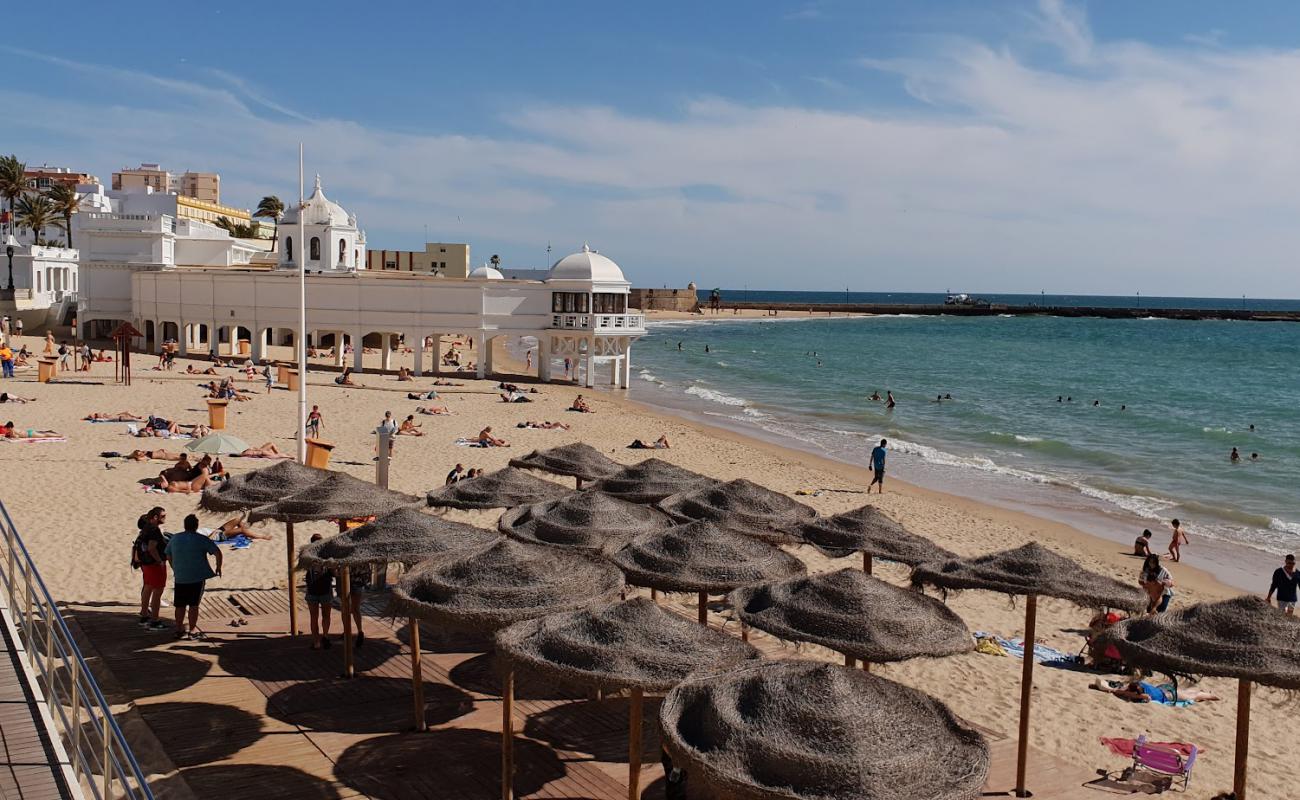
x=76 y=719
x=27 y=618
x=108 y=746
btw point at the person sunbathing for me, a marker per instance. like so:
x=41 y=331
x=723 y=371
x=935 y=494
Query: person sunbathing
x=409 y=427
x=404 y=374
x=580 y=404
x=515 y=397
x=157 y=455
x=346 y=378
x=486 y=439
x=660 y=444
x=160 y=424
x=8 y=431
x=268 y=450
x=231 y=528
x=121 y=416
x=1139 y=691
x=184 y=487
x=433 y=410
x=544 y=426
x=445 y=382
x=5 y=397
x=190 y=370
x=432 y=394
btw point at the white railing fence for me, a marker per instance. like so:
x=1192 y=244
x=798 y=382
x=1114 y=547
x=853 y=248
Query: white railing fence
x=101 y=762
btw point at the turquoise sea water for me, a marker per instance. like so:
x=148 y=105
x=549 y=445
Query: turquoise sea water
x=1191 y=391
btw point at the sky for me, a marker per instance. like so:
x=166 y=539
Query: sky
x=877 y=145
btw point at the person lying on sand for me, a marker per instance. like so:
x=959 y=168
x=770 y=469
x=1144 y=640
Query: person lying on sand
x=162 y=424
x=190 y=370
x=121 y=416
x=409 y=427
x=515 y=397
x=445 y=382
x=433 y=410
x=432 y=394
x=183 y=487
x=235 y=527
x=486 y=439
x=581 y=405
x=8 y=431
x=5 y=397
x=543 y=426
x=157 y=455
x=268 y=450
x=346 y=378
x=1139 y=691
x=101 y=358
x=660 y=444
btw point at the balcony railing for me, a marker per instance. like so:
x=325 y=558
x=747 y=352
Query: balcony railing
x=598 y=322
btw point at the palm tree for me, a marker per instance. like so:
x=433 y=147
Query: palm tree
x=36 y=211
x=239 y=230
x=496 y=261
x=271 y=208
x=13 y=182
x=67 y=202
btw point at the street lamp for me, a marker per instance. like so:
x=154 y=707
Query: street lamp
x=9 y=251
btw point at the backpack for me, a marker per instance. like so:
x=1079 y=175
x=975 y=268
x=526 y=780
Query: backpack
x=140 y=553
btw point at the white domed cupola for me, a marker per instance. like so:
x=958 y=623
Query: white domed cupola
x=331 y=240
x=586 y=266
x=486 y=273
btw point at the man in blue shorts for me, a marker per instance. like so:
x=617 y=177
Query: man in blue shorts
x=187 y=553
x=878 y=467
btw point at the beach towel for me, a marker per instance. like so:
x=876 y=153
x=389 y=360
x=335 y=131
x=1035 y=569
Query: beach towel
x=468 y=442
x=35 y=439
x=988 y=645
x=1016 y=648
x=1124 y=747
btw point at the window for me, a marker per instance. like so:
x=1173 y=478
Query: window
x=610 y=303
x=389 y=264
x=315 y=248
x=570 y=302
x=288 y=248
x=343 y=252
x=442 y=249
x=38 y=283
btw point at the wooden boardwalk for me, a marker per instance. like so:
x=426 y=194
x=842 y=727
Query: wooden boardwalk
x=253 y=713
x=30 y=768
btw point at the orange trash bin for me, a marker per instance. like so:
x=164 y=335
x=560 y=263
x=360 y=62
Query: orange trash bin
x=217 y=414
x=47 y=369
x=318 y=453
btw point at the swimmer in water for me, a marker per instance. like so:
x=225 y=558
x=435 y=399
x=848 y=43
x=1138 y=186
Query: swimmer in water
x=889 y=399
x=1254 y=456
x=1235 y=456
x=1123 y=408
x=1252 y=428
x=1096 y=403
x=1060 y=398
x=706 y=348
x=875 y=396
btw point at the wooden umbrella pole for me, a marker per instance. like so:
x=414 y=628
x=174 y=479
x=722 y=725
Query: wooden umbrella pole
x=508 y=734
x=634 y=746
x=704 y=608
x=866 y=666
x=850 y=661
x=744 y=632
x=654 y=595
x=1026 y=687
x=1242 y=750
x=578 y=483
x=417 y=676
x=866 y=562
x=293 y=595
x=345 y=600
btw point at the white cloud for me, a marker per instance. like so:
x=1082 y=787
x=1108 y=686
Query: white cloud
x=1112 y=167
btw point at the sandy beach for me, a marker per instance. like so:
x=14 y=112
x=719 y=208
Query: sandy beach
x=77 y=511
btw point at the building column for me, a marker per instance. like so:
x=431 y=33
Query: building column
x=486 y=354
x=358 y=350
x=214 y=339
x=436 y=338
x=259 y=336
x=590 y=378
x=183 y=338
x=627 y=364
x=386 y=351
x=614 y=364
x=418 y=347
x=480 y=361
x=544 y=358
x=338 y=348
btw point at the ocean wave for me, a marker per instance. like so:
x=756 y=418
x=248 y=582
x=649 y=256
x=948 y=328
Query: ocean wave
x=714 y=397
x=750 y=411
x=723 y=364
x=1284 y=526
x=1139 y=504
x=933 y=455
x=1017 y=437
x=646 y=375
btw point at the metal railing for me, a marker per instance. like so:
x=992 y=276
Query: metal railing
x=100 y=762
x=596 y=321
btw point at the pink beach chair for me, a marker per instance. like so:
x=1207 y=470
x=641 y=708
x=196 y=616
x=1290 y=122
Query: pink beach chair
x=1164 y=761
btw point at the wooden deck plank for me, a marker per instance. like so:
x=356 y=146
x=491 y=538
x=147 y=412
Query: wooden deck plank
x=29 y=765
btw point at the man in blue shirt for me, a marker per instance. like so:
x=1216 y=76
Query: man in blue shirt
x=878 y=467
x=187 y=553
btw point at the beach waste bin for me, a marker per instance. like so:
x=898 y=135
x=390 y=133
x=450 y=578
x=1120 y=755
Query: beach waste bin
x=282 y=373
x=318 y=453
x=291 y=379
x=48 y=368
x=244 y=348
x=217 y=414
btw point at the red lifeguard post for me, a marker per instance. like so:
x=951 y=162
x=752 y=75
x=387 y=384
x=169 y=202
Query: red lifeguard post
x=122 y=347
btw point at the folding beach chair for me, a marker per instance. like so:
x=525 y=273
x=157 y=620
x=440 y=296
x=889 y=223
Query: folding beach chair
x=1164 y=761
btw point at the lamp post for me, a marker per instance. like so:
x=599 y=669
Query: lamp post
x=9 y=252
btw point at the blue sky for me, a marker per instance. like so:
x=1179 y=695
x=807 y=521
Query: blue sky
x=994 y=146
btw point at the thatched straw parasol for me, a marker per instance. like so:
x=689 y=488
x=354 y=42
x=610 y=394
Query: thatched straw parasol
x=796 y=730
x=259 y=487
x=851 y=612
x=1243 y=638
x=585 y=520
x=1031 y=570
x=701 y=557
x=339 y=496
x=577 y=460
x=873 y=533
x=505 y=488
x=631 y=645
x=651 y=481
x=491 y=587
x=740 y=505
x=405 y=536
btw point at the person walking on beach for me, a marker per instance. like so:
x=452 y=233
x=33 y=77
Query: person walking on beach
x=878 y=467
x=388 y=426
x=6 y=361
x=315 y=421
x=1176 y=543
x=1285 y=582
x=64 y=364
x=187 y=553
x=319 y=586
x=1158 y=583
x=147 y=553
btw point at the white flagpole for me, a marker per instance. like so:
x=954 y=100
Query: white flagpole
x=300 y=340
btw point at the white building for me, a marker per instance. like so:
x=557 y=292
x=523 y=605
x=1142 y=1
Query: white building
x=579 y=312
x=45 y=283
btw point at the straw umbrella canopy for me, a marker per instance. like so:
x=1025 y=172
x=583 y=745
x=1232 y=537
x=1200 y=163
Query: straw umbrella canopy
x=577 y=460
x=632 y=645
x=585 y=520
x=799 y=730
x=505 y=488
x=491 y=587
x=405 y=536
x=1243 y=638
x=339 y=496
x=1031 y=570
x=740 y=505
x=701 y=557
x=855 y=614
x=651 y=481
x=873 y=533
x=260 y=486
